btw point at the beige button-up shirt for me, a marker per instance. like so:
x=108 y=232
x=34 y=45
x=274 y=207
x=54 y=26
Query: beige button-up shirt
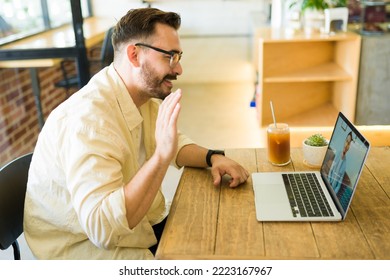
x=85 y=154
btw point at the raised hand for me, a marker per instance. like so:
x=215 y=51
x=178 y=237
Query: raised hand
x=166 y=126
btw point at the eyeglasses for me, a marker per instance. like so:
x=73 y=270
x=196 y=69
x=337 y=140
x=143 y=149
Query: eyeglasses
x=175 y=55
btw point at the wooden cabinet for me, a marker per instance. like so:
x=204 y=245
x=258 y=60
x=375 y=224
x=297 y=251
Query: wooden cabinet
x=309 y=78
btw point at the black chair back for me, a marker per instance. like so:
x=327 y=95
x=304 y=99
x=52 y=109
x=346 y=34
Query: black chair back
x=105 y=59
x=13 y=184
x=107 y=52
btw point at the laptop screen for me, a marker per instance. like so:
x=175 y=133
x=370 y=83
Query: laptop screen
x=343 y=162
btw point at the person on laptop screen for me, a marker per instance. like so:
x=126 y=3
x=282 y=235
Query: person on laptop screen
x=339 y=165
x=345 y=166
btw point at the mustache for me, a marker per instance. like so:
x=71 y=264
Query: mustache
x=170 y=77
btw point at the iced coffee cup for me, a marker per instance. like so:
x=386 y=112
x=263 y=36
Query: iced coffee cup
x=278 y=144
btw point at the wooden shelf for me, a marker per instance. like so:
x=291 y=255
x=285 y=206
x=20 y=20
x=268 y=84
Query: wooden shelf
x=323 y=115
x=304 y=76
x=324 y=72
x=319 y=116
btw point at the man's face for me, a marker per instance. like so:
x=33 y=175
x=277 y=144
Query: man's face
x=156 y=72
x=347 y=144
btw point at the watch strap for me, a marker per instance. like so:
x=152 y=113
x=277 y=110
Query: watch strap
x=213 y=152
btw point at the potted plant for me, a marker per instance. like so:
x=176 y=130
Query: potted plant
x=336 y=16
x=312 y=12
x=314 y=149
x=317 y=4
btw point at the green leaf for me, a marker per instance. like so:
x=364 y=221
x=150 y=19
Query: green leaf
x=316 y=140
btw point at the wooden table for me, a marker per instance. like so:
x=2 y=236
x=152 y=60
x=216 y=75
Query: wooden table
x=208 y=222
x=94 y=29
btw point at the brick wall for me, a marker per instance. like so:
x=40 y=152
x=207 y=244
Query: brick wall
x=18 y=114
x=19 y=127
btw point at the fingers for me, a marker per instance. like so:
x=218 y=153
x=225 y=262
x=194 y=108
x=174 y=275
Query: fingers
x=235 y=182
x=170 y=107
x=175 y=116
x=238 y=175
x=171 y=100
x=217 y=177
x=174 y=109
x=166 y=126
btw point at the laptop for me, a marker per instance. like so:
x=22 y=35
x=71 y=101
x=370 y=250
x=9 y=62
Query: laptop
x=323 y=195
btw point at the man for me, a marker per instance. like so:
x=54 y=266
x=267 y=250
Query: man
x=94 y=181
x=339 y=165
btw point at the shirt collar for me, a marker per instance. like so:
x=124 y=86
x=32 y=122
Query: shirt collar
x=129 y=110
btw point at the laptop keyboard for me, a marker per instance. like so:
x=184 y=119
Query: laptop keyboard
x=306 y=196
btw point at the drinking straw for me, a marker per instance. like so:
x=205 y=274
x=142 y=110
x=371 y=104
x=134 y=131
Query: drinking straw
x=273 y=114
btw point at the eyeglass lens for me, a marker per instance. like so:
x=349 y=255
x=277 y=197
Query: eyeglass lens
x=175 y=58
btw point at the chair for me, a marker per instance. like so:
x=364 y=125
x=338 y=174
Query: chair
x=13 y=184
x=106 y=57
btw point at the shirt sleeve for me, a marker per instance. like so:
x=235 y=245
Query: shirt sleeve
x=183 y=141
x=93 y=166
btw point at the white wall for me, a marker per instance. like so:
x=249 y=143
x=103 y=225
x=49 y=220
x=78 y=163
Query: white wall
x=199 y=17
x=216 y=35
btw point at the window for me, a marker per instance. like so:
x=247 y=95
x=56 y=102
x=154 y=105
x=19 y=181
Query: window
x=21 y=18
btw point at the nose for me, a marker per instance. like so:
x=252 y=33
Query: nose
x=178 y=69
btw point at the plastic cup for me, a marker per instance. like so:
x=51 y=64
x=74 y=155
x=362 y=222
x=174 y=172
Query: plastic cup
x=278 y=144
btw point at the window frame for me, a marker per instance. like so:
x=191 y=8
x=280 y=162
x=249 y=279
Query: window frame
x=47 y=25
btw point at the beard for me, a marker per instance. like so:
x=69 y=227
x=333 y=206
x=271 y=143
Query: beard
x=154 y=85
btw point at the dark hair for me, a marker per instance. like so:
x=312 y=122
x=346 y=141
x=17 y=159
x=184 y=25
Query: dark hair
x=349 y=134
x=140 y=24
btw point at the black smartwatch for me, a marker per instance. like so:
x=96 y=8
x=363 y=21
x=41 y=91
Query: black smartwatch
x=213 y=152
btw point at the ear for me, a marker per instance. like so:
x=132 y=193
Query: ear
x=132 y=55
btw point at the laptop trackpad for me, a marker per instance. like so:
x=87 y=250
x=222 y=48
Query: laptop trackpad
x=271 y=193
x=269 y=187
x=270 y=197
